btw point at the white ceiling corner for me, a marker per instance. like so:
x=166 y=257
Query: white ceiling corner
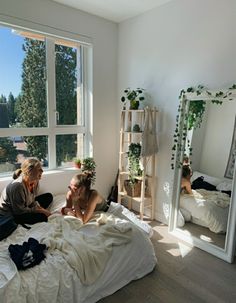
x=114 y=10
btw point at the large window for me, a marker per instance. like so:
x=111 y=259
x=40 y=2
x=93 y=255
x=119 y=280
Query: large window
x=43 y=107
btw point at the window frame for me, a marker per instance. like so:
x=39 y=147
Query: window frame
x=86 y=90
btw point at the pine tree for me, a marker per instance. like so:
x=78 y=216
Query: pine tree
x=32 y=103
x=66 y=99
x=11 y=109
x=8 y=151
x=4 y=119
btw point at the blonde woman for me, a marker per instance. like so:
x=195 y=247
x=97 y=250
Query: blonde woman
x=20 y=198
x=81 y=200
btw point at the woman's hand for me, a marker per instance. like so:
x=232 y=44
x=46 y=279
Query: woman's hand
x=42 y=210
x=67 y=211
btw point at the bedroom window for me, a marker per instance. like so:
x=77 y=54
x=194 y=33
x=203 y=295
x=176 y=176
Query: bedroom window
x=43 y=107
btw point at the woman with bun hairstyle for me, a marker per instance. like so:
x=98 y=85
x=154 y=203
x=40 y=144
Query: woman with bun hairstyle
x=186 y=179
x=81 y=200
x=20 y=198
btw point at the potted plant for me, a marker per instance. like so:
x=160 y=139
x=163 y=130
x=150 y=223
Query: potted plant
x=133 y=185
x=136 y=128
x=77 y=162
x=192 y=120
x=89 y=165
x=134 y=96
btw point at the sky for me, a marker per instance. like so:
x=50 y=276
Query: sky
x=11 y=59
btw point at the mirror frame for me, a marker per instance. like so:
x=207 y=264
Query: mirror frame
x=228 y=252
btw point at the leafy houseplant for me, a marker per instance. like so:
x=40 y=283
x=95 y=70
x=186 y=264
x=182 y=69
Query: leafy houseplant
x=133 y=186
x=134 y=96
x=136 y=128
x=89 y=166
x=193 y=118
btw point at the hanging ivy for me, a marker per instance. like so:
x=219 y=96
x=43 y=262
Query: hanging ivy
x=193 y=119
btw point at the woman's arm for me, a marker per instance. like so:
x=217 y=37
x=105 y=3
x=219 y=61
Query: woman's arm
x=187 y=186
x=17 y=196
x=68 y=208
x=78 y=211
x=42 y=210
x=93 y=201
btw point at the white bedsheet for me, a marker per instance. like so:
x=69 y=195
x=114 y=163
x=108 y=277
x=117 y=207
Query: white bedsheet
x=54 y=280
x=208 y=207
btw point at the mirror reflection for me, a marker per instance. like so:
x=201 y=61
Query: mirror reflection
x=207 y=172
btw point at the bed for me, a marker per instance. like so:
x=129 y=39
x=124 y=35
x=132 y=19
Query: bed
x=94 y=261
x=208 y=206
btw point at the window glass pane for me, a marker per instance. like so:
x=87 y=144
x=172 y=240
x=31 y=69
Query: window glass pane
x=68 y=81
x=69 y=147
x=22 y=79
x=13 y=151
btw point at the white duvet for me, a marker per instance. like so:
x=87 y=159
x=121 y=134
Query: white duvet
x=206 y=208
x=62 y=276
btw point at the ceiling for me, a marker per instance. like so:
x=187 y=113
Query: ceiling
x=114 y=10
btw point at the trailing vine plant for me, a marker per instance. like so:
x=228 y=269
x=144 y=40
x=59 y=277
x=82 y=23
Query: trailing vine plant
x=193 y=118
x=133 y=154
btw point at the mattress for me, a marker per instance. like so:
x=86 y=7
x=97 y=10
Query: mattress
x=55 y=280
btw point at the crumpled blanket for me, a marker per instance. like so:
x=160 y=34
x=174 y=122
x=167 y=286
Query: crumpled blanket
x=87 y=256
x=219 y=198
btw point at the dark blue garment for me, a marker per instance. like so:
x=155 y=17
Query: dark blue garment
x=28 y=254
x=7 y=226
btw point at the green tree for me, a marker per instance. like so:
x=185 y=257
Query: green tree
x=8 y=151
x=11 y=109
x=4 y=120
x=3 y=99
x=66 y=99
x=32 y=103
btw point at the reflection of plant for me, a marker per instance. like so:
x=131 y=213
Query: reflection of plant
x=134 y=153
x=134 y=96
x=192 y=119
x=89 y=166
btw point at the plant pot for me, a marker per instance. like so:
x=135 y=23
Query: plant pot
x=134 y=104
x=77 y=165
x=133 y=189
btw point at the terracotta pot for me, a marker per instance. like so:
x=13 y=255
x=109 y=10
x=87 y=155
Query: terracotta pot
x=77 y=165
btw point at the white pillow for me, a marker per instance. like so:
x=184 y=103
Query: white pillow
x=207 y=178
x=186 y=214
x=225 y=185
x=122 y=212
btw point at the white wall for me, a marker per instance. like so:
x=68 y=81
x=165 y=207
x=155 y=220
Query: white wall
x=212 y=142
x=104 y=38
x=217 y=139
x=180 y=44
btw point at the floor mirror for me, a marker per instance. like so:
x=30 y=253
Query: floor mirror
x=206 y=216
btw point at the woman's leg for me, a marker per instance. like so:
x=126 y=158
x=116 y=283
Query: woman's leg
x=44 y=200
x=30 y=218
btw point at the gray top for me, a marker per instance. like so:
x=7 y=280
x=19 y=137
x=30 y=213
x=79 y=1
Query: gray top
x=16 y=199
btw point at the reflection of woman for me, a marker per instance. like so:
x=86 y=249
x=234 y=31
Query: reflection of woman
x=20 y=198
x=185 y=181
x=81 y=200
